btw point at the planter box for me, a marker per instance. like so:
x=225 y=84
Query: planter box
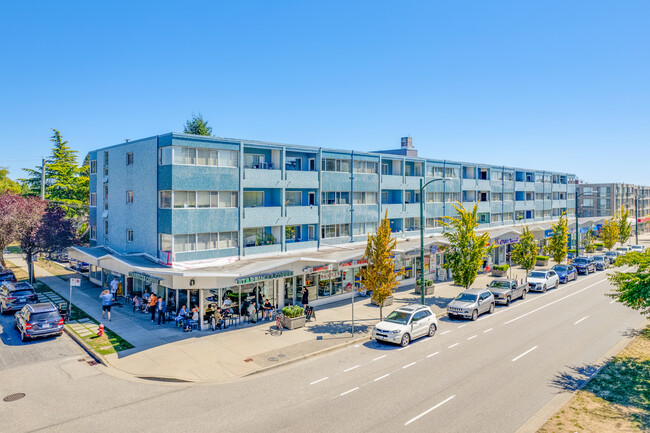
x=600 y=248
x=428 y=290
x=541 y=263
x=294 y=322
x=499 y=272
x=388 y=301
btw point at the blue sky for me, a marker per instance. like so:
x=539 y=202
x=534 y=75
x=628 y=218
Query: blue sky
x=549 y=84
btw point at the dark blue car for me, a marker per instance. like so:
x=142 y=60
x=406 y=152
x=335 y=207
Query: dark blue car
x=584 y=265
x=566 y=273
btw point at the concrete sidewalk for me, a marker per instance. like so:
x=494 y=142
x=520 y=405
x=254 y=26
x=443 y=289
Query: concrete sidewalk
x=212 y=356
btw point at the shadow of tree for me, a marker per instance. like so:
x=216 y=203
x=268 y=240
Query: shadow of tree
x=338 y=327
x=574 y=379
x=630 y=332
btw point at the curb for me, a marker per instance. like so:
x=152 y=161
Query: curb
x=96 y=356
x=545 y=413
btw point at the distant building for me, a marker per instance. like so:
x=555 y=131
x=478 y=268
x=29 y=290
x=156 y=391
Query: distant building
x=607 y=199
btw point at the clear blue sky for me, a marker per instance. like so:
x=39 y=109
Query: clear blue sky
x=562 y=85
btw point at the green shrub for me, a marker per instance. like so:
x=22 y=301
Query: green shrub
x=542 y=258
x=599 y=244
x=501 y=267
x=292 y=311
x=427 y=283
x=572 y=251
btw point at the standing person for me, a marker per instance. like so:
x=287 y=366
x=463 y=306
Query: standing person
x=136 y=303
x=114 y=285
x=107 y=301
x=305 y=297
x=162 y=309
x=152 y=306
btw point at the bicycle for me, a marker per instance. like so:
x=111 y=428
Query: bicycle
x=278 y=322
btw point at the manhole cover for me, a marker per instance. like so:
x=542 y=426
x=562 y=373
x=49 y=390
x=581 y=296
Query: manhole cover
x=273 y=359
x=14 y=397
x=281 y=355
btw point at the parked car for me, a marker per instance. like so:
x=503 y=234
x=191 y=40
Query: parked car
x=584 y=265
x=540 y=281
x=505 y=290
x=7 y=275
x=638 y=248
x=406 y=324
x=611 y=255
x=471 y=303
x=621 y=251
x=38 y=320
x=601 y=262
x=14 y=296
x=566 y=273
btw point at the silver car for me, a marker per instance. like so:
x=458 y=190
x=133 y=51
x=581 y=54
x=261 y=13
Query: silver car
x=505 y=290
x=471 y=303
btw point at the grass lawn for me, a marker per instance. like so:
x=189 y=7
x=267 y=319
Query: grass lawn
x=56 y=269
x=617 y=399
x=19 y=272
x=14 y=249
x=107 y=344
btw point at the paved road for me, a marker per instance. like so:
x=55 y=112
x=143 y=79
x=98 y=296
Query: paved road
x=484 y=376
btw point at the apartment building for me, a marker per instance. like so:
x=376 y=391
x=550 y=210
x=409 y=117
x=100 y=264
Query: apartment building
x=607 y=199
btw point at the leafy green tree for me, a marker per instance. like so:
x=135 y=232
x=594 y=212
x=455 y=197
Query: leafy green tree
x=632 y=288
x=588 y=241
x=6 y=184
x=467 y=250
x=197 y=126
x=524 y=253
x=557 y=244
x=609 y=234
x=379 y=275
x=624 y=227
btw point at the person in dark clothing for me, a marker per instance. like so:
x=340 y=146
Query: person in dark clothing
x=305 y=296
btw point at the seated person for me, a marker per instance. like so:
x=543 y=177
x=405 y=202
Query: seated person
x=227 y=305
x=136 y=303
x=243 y=308
x=182 y=316
x=267 y=309
x=208 y=313
x=252 y=311
x=218 y=319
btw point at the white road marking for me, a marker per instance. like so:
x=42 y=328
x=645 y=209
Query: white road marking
x=453 y=345
x=462 y=325
x=525 y=353
x=613 y=301
x=380 y=378
x=377 y=359
x=351 y=368
x=473 y=336
x=580 y=320
x=487 y=330
x=428 y=410
x=408 y=365
x=319 y=380
x=433 y=354
x=551 y=303
x=446 y=332
x=403 y=348
x=349 y=391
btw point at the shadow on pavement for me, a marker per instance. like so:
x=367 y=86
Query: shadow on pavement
x=575 y=379
x=338 y=327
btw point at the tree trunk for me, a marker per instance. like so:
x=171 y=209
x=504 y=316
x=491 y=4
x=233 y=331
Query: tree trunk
x=381 y=309
x=30 y=268
x=2 y=259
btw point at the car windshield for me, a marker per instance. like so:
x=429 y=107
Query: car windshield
x=500 y=284
x=610 y=253
x=466 y=297
x=560 y=268
x=537 y=275
x=48 y=315
x=580 y=260
x=21 y=293
x=398 y=317
x=598 y=259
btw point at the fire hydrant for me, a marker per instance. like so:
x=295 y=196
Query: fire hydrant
x=100 y=330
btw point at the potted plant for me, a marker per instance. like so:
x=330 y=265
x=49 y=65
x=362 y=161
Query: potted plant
x=388 y=301
x=542 y=261
x=294 y=317
x=428 y=287
x=500 y=270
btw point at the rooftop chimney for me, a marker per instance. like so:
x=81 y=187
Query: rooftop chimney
x=407 y=143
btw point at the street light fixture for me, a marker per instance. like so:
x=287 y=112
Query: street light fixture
x=422 y=285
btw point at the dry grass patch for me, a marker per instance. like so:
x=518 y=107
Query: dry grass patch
x=19 y=272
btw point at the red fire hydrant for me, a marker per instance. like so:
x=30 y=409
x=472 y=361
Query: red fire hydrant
x=100 y=330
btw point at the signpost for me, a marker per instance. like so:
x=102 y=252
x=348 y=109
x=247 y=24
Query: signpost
x=73 y=282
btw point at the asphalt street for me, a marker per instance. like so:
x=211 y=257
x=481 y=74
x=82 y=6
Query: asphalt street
x=491 y=375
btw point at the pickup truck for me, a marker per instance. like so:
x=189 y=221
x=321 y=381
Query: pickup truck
x=506 y=290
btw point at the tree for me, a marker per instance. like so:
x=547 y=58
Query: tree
x=524 y=253
x=197 y=126
x=33 y=209
x=379 y=275
x=632 y=288
x=624 y=227
x=6 y=184
x=11 y=206
x=609 y=234
x=588 y=241
x=467 y=250
x=557 y=244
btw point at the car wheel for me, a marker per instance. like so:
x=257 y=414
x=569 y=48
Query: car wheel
x=492 y=308
x=474 y=315
x=544 y=288
x=523 y=294
x=406 y=339
x=432 y=330
x=557 y=284
x=508 y=301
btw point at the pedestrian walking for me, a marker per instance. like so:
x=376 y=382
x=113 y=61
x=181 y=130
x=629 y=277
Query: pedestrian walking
x=153 y=299
x=305 y=297
x=162 y=309
x=107 y=301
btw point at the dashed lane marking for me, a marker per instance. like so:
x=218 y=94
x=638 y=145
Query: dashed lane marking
x=380 y=357
x=453 y=345
x=319 y=380
x=382 y=377
x=433 y=354
x=351 y=368
x=408 y=365
x=349 y=391
x=428 y=410
x=580 y=320
x=472 y=337
x=524 y=354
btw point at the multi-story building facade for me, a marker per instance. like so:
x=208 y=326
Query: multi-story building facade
x=607 y=199
x=183 y=212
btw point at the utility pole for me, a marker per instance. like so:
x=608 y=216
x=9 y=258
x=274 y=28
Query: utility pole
x=43 y=179
x=577 y=228
x=636 y=218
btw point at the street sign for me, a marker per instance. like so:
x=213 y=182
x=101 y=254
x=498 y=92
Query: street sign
x=75 y=282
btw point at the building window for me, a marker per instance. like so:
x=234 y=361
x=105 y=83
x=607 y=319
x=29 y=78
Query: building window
x=434 y=197
x=359 y=229
x=165 y=242
x=339 y=165
x=293 y=198
x=228 y=240
x=181 y=155
x=93 y=166
x=452 y=172
x=105 y=191
x=452 y=197
x=184 y=243
x=411 y=224
x=93 y=233
x=227 y=199
x=365 y=198
x=184 y=199
x=93 y=199
x=105 y=205
x=497 y=196
x=165 y=199
x=335 y=230
x=253 y=198
x=129 y=197
x=197 y=199
x=106 y=158
x=335 y=197
x=129 y=158
x=292 y=233
x=367 y=167
x=106 y=227
x=129 y=235
x=498 y=175
x=434 y=222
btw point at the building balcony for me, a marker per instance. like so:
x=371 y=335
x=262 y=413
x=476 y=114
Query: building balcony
x=261 y=216
x=262 y=249
x=394 y=210
x=302 y=179
x=413 y=182
x=292 y=246
x=260 y=178
x=301 y=214
x=391 y=182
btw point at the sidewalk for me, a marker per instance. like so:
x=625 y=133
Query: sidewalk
x=209 y=356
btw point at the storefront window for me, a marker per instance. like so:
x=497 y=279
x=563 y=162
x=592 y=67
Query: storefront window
x=310 y=283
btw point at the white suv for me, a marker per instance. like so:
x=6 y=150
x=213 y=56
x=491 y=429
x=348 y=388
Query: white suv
x=406 y=324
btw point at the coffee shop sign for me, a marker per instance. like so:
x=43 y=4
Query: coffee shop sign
x=506 y=241
x=264 y=277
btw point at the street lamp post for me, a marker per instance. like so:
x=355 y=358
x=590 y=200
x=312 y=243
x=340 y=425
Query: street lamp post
x=577 y=224
x=636 y=218
x=422 y=235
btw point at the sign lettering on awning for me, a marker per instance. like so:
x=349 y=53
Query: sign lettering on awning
x=264 y=277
